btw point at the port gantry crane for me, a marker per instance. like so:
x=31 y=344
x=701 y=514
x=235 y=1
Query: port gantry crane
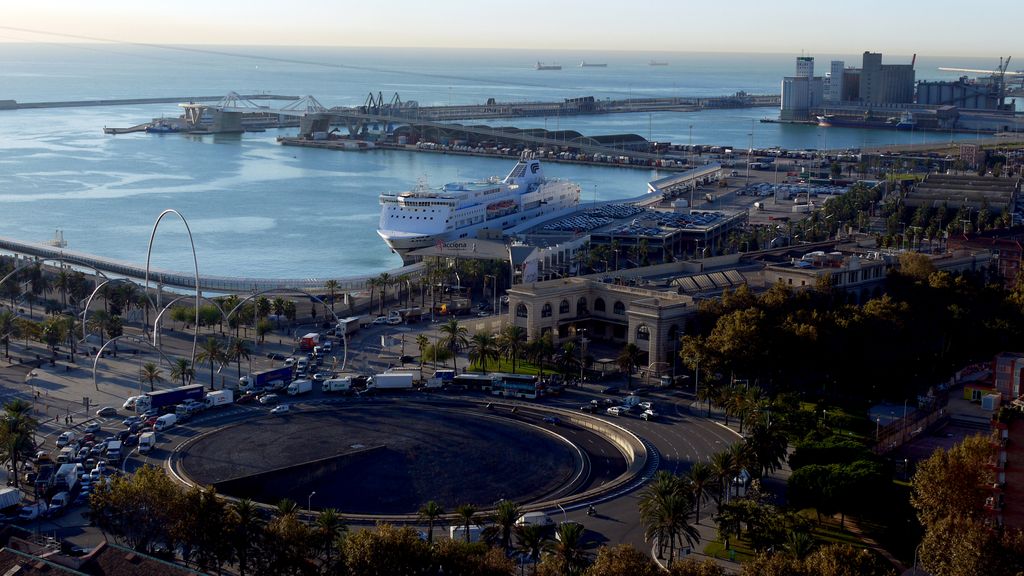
x=998 y=76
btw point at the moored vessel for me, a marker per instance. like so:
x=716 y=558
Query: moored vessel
x=422 y=217
x=542 y=66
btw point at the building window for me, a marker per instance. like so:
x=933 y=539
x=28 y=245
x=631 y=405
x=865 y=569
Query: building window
x=599 y=305
x=642 y=333
x=545 y=312
x=563 y=308
x=521 y=310
x=619 y=308
x=581 y=307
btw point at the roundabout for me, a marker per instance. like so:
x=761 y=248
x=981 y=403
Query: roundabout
x=382 y=459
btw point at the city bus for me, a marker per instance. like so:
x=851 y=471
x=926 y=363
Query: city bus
x=516 y=386
x=483 y=382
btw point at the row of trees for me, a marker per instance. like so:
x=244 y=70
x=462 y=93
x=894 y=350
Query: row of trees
x=952 y=494
x=927 y=325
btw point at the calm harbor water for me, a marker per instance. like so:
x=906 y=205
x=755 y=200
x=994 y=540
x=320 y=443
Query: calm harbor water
x=260 y=209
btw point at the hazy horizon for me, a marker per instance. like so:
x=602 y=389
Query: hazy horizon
x=944 y=29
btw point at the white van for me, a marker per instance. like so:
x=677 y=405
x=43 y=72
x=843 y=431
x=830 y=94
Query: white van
x=164 y=422
x=67 y=454
x=114 y=449
x=61 y=500
x=146 y=442
x=535 y=519
x=66 y=438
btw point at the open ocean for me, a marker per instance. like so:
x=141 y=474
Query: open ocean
x=260 y=209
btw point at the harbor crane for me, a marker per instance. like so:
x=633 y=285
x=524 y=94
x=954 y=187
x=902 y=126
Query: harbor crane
x=998 y=76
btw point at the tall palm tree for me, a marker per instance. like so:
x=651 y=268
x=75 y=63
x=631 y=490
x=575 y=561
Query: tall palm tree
x=237 y=350
x=667 y=518
x=182 y=370
x=530 y=540
x=567 y=359
x=707 y=393
x=286 y=507
x=628 y=360
x=278 y=307
x=422 y=342
x=455 y=339
x=482 y=348
x=540 y=351
x=372 y=283
x=62 y=283
x=568 y=548
x=511 y=341
x=505 y=516
x=7 y=329
x=247 y=526
x=329 y=527
x=17 y=430
x=211 y=352
x=700 y=478
x=725 y=468
x=384 y=281
x=430 y=512
x=467 y=516
x=332 y=287
x=151 y=373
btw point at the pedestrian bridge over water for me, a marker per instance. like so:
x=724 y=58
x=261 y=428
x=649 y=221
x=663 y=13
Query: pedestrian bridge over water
x=186 y=280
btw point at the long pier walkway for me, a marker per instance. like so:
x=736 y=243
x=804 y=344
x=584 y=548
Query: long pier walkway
x=186 y=281
x=15 y=105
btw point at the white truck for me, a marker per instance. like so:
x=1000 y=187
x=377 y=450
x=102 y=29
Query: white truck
x=219 y=398
x=114 y=446
x=343 y=385
x=66 y=477
x=9 y=497
x=146 y=442
x=391 y=381
x=300 y=387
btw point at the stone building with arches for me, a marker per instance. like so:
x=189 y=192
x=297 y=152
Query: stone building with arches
x=568 y=307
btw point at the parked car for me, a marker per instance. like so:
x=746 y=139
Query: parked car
x=282 y=409
x=614 y=411
x=380 y=320
x=268 y=399
x=93 y=427
x=106 y=412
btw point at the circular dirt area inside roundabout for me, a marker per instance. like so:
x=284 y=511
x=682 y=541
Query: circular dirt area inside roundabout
x=384 y=458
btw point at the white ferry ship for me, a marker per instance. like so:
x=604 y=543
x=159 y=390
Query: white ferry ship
x=423 y=217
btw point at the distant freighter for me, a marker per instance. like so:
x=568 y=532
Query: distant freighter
x=423 y=217
x=585 y=64
x=656 y=63
x=541 y=66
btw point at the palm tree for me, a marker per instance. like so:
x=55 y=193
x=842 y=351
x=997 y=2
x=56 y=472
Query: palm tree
x=62 y=283
x=467 y=515
x=799 y=544
x=247 y=525
x=568 y=548
x=530 y=540
x=505 y=516
x=17 y=430
x=482 y=348
x=725 y=468
x=540 y=351
x=455 y=339
x=422 y=342
x=7 y=328
x=278 y=307
x=700 y=477
x=332 y=287
x=372 y=283
x=237 y=350
x=667 y=517
x=98 y=321
x=430 y=512
x=511 y=341
x=211 y=352
x=707 y=393
x=628 y=360
x=286 y=507
x=384 y=281
x=151 y=373
x=567 y=358
x=329 y=527
x=183 y=370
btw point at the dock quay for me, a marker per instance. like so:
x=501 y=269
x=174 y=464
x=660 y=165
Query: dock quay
x=354 y=145
x=185 y=280
x=15 y=105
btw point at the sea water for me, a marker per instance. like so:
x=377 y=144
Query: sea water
x=257 y=208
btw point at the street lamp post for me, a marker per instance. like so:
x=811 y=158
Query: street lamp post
x=494 y=291
x=309 y=501
x=583 y=351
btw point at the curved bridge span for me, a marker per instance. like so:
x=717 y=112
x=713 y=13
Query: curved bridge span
x=186 y=280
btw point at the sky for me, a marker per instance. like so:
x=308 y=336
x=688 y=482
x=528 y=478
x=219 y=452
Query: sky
x=927 y=27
